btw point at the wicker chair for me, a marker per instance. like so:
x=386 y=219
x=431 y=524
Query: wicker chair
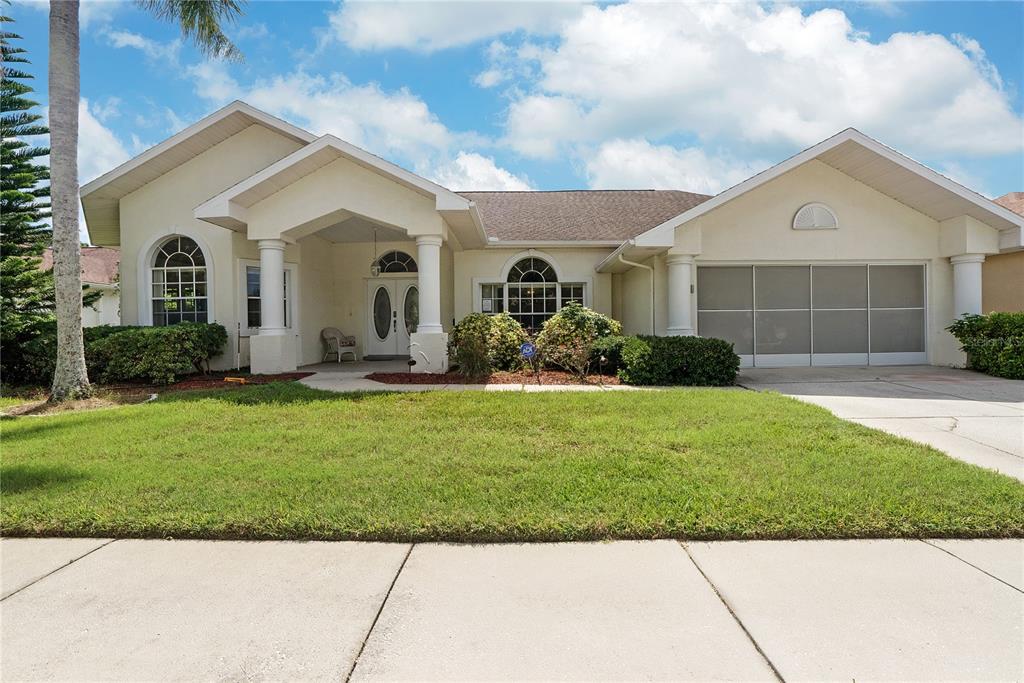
x=338 y=343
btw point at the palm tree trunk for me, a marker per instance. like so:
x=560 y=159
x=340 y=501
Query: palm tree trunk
x=70 y=379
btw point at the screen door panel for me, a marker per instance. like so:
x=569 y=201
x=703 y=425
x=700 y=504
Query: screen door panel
x=725 y=307
x=897 y=315
x=782 y=317
x=840 y=315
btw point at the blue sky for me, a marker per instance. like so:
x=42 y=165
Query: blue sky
x=692 y=96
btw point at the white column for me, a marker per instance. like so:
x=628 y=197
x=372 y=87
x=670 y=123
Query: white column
x=680 y=294
x=271 y=287
x=429 y=263
x=966 y=283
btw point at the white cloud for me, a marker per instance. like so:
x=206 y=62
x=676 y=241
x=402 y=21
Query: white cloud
x=763 y=77
x=107 y=109
x=99 y=150
x=396 y=125
x=154 y=50
x=428 y=26
x=637 y=164
x=252 y=32
x=90 y=12
x=471 y=171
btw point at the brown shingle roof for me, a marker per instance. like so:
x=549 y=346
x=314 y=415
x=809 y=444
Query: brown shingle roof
x=578 y=215
x=1014 y=201
x=99 y=264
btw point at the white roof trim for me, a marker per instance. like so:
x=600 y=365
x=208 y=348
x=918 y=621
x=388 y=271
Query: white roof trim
x=663 y=235
x=235 y=107
x=446 y=200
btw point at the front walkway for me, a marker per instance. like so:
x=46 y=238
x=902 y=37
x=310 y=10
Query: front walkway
x=76 y=609
x=968 y=415
x=350 y=376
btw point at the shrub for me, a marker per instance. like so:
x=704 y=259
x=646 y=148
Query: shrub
x=119 y=353
x=33 y=362
x=156 y=354
x=568 y=337
x=692 y=361
x=609 y=348
x=994 y=343
x=480 y=343
x=507 y=335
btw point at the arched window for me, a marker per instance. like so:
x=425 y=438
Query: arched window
x=179 y=282
x=531 y=293
x=396 y=262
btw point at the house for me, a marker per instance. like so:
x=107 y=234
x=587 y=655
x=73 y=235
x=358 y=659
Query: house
x=847 y=253
x=99 y=273
x=1002 y=275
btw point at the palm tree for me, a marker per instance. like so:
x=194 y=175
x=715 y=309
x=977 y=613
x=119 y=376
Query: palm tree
x=200 y=21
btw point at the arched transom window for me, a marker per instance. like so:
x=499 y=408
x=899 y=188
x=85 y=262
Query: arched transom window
x=396 y=262
x=179 y=282
x=531 y=293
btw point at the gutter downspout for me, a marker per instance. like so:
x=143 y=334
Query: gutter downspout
x=649 y=269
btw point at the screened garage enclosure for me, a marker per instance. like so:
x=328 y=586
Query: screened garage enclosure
x=786 y=315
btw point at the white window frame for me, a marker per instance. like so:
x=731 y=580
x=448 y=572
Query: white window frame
x=291 y=310
x=144 y=271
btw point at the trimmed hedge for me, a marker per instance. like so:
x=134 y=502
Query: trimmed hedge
x=480 y=343
x=156 y=354
x=994 y=343
x=666 y=361
x=120 y=353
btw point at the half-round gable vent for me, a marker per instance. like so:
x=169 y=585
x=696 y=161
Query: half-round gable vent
x=815 y=217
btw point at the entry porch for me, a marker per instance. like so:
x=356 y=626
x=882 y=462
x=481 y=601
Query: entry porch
x=347 y=240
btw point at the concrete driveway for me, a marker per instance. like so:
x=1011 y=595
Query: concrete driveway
x=95 y=609
x=968 y=415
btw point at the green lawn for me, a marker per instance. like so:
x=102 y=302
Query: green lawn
x=284 y=461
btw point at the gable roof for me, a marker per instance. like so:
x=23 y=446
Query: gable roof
x=99 y=264
x=596 y=216
x=866 y=160
x=229 y=208
x=100 y=197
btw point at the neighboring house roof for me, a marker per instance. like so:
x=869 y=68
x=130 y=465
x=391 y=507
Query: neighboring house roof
x=1014 y=201
x=578 y=215
x=99 y=264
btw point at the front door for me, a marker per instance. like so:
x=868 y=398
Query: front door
x=394 y=311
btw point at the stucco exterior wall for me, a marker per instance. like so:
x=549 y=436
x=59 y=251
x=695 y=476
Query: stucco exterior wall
x=164 y=207
x=106 y=311
x=343 y=186
x=1002 y=282
x=756 y=228
x=471 y=267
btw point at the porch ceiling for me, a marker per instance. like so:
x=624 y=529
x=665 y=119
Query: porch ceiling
x=358 y=229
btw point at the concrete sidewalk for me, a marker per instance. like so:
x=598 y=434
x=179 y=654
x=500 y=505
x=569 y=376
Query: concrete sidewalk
x=806 y=610
x=973 y=417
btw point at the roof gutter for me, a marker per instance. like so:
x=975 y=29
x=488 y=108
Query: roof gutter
x=650 y=270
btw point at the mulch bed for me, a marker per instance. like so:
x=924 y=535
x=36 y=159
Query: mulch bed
x=216 y=380
x=112 y=395
x=549 y=377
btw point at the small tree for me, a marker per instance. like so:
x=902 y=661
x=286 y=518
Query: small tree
x=26 y=292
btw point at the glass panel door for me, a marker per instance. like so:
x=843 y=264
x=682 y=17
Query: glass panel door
x=382 y=313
